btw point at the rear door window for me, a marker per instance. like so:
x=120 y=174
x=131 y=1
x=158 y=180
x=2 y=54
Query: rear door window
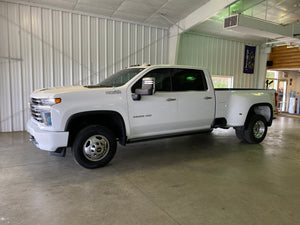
x=188 y=80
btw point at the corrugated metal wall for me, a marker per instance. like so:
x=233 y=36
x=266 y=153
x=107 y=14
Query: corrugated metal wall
x=42 y=47
x=219 y=56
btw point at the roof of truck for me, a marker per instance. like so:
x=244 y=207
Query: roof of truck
x=164 y=66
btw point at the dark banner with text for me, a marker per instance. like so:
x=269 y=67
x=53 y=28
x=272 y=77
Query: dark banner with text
x=249 y=59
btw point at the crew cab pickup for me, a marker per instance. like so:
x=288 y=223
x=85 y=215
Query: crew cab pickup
x=140 y=103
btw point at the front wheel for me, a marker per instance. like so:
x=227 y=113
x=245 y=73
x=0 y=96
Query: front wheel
x=256 y=130
x=94 y=147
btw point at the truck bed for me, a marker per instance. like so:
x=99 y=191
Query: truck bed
x=233 y=103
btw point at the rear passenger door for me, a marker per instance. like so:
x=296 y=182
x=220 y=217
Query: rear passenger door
x=195 y=99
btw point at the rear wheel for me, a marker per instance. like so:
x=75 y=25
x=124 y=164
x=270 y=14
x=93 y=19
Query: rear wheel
x=256 y=130
x=239 y=132
x=94 y=147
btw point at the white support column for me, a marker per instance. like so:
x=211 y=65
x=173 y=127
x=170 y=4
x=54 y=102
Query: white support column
x=262 y=67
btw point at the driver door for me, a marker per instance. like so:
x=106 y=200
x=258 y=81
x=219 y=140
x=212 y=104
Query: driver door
x=155 y=114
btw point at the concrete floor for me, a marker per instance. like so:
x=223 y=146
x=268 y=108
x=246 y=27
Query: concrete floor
x=202 y=179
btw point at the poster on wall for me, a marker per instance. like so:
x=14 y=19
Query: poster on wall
x=249 y=59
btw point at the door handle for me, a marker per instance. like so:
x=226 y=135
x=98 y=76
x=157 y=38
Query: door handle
x=171 y=99
x=207 y=98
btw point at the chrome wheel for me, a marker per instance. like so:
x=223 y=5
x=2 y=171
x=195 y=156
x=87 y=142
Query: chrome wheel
x=96 y=148
x=255 y=130
x=259 y=129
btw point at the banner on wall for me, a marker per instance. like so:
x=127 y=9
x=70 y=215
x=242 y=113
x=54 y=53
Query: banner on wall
x=249 y=59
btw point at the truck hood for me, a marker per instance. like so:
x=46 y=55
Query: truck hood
x=52 y=92
x=59 y=91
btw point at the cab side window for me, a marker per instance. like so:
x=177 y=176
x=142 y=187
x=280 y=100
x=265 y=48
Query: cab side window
x=189 y=80
x=162 y=80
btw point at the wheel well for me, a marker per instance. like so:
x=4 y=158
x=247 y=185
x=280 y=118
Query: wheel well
x=264 y=109
x=109 y=119
x=219 y=122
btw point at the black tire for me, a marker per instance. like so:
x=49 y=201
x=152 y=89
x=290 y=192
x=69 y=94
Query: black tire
x=256 y=130
x=94 y=147
x=239 y=132
x=209 y=131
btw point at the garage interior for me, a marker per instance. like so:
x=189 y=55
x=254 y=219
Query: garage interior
x=201 y=179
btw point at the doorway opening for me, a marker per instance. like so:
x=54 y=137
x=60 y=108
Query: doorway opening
x=280 y=85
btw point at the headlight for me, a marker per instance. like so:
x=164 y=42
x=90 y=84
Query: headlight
x=41 y=109
x=50 y=101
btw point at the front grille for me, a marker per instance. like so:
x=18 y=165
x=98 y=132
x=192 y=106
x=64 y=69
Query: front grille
x=35 y=112
x=36 y=101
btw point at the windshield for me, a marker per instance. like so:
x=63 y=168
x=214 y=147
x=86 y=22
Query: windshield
x=120 y=78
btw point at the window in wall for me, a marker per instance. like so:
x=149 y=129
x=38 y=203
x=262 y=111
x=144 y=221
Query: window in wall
x=189 y=80
x=272 y=74
x=222 y=81
x=271 y=81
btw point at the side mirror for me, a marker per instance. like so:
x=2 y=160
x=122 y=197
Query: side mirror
x=148 y=87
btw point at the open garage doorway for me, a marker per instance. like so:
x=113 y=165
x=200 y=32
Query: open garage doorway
x=280 y=85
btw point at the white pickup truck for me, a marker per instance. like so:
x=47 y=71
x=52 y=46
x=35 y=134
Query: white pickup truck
x=140 y=103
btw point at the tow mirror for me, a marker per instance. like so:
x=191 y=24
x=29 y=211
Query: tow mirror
x=148 y=88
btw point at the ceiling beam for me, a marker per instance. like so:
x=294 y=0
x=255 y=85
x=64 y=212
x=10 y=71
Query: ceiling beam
x=201 y=14
x=211 y=8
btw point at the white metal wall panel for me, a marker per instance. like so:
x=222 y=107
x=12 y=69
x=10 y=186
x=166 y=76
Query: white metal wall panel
x=57 y=47
x=109 y=46
x=26 y=59
x=125 y=46
x=5 y=90
x=147 y=40
x=159 y=42
x=76 y=49
x=152 y=45
x=165 y=45
x=132 y=44
x=36 y=40
x=94 y=51
x=220 y=56
x=43 y=47
x=118 y=46
x=15 y=66
x=139 y=44
x=66 y=47
x=47 y=46
x=85 y=50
